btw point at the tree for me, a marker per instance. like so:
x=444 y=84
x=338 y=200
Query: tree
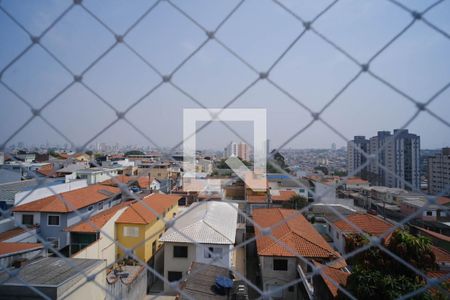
x=298 y=202
x=378 y=275
x=134 y=152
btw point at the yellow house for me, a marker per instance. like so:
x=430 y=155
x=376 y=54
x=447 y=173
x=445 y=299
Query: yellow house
x=140 y=226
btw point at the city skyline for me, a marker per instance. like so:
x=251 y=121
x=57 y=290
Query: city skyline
x=312 y=71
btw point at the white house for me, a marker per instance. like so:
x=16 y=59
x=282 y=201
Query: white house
x=204 y=233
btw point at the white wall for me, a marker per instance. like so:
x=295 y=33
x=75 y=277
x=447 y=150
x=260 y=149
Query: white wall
x=103 y=248
x=226 y=259
x=39 y=193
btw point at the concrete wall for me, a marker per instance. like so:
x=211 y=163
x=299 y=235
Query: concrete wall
x=272 y=278
x=176 y=263
x=226 y=259
x=327 y=193
x=135 y=290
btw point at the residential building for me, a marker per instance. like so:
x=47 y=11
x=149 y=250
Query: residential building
x=396 y=159
x=56 y=212
x=356 y=183
x=357 y=150
x=288 y=255
x=439 y=173
x=241 y=150
x=355 y=224
x=433 y=212
x=377 y=174
x=56 y=279
x=403 y=160
x=96 y=237
x=143 y=222
x=204 y=233
x=96 y=175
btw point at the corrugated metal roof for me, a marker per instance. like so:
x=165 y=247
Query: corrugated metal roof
x=211 y=222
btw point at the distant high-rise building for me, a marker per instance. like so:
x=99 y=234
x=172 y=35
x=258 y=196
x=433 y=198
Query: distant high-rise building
x=356 y=158
x=333 y=146
x=439 y=173
x=397 y=159
x=240 y=150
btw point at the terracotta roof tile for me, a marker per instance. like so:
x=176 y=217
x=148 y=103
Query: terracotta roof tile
x=283 y=196
x=97 y=221
x=11 y=233
x=143 y=181
x=297 y=233
x=356 y=180
x=256 y=199
x=442 y=256
x=70 y=201
x=434 y=234
x=139 y=213
x=368 y=223
x=10 y=248
x=339 y=277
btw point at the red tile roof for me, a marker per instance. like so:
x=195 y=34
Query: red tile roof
x=11 y=248
x=356 y=180
x=11 y=233
x=442 y=256
x=143 y=181
x=434 y=234
x=368 y=223
x=70 y=201
x=257 y=199
x=139 y=212
x=296 y=232
x=47 y=171
x=284 y=196
x=339 y=277
x=97 y=221
x=443 y=200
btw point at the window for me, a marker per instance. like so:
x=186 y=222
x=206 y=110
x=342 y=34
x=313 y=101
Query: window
x=174 y=276
x=180 y=251
x=131 y=231
x=429 y=213
x=27 y=219
x=337 y=235
x=53 y=220
x=90 y=207
x=213 y=252
x=280 y=265
x=100 y=206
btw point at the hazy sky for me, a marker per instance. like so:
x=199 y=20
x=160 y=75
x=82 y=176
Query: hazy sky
x=418 y=63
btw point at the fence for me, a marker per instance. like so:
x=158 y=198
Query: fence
x=165 y=80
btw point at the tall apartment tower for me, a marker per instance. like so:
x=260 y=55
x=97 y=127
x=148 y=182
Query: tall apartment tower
x=397 y=160
x=241 y=150
x=356 y=158
x=377 y=174
x=439 y=173
x=402 y=160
